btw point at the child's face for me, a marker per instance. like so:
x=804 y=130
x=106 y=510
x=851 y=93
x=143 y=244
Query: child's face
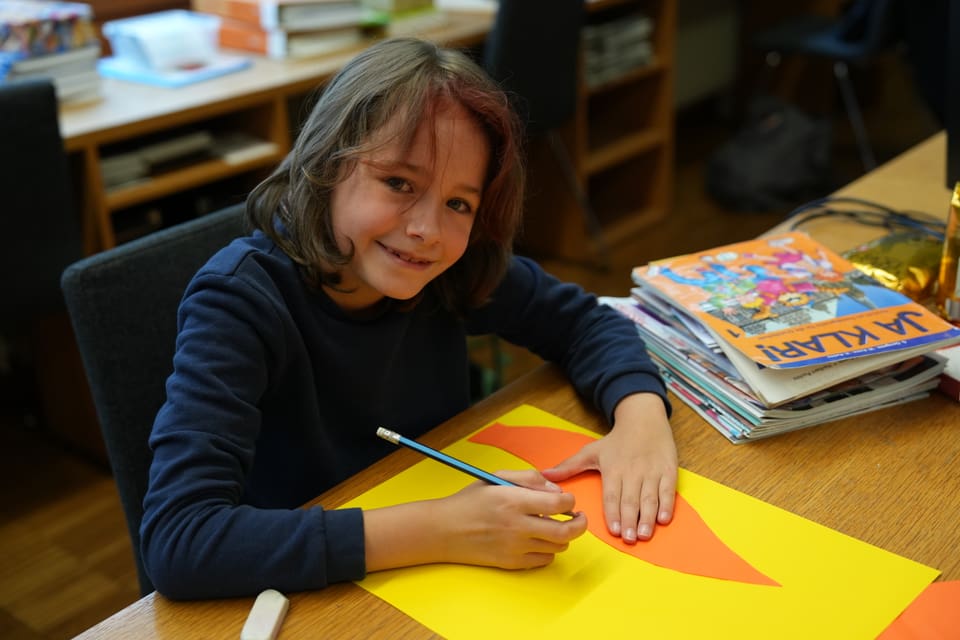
x=408 y=211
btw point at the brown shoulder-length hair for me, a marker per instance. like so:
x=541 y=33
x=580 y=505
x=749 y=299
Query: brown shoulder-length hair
x=399 y=81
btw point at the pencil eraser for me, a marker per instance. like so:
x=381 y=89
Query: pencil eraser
x=265 y=616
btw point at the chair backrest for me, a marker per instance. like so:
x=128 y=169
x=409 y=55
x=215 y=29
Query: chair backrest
x=864 y=29
x=870 y=24
x=123 y=306
x=38 y=212
x=532 y=51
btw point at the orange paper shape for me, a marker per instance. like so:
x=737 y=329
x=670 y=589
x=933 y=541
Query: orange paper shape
x=934 y=614
x=687 y=544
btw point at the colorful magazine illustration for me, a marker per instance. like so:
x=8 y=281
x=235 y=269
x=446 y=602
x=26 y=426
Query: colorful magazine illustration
x=786 y=301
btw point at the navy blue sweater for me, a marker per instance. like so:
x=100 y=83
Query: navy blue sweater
x=276 y=396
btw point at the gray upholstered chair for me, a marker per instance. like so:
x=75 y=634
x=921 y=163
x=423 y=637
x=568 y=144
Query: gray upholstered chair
x=123 y=306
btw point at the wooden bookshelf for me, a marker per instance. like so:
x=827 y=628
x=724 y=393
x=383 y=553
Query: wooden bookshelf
x=621 y=141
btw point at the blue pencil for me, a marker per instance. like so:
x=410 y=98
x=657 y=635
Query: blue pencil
x=450 y=461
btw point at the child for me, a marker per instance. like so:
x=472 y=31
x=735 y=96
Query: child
x=381 y=241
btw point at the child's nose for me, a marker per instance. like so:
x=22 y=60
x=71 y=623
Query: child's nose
x=424 y=219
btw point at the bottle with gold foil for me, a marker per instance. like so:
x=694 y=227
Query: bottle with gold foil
x=948 y=284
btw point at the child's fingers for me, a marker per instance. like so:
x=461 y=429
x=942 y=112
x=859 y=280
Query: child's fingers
x=579 y=462
x=534 y=560
x=668 y=495
x=545 y=538
x=646 y=519
x=652 y=504
x=536 y=502
x=560 y=532
x=529 y=478
x=630 y=508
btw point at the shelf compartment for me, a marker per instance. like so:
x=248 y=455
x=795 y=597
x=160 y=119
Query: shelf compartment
x=248 y=140
x=195 y=175
x=626 y=109
x=622 y=150
x=652 y=69
x=148 y=216
x=628 y=196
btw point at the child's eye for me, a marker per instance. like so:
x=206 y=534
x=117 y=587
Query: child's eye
x=398 y=184
x=460 y=206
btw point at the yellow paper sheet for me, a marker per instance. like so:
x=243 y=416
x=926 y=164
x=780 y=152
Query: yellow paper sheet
x=831 y=585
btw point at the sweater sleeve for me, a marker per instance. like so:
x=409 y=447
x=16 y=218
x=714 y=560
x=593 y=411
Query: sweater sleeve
x=597 y=347
x=198 y=538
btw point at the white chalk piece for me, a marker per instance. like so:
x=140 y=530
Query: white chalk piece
x=265 y=616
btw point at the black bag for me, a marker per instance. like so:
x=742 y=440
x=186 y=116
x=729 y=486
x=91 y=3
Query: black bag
x=779 y=159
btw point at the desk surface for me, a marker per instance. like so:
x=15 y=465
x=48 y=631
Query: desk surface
x=887 y=478
x=913 y=181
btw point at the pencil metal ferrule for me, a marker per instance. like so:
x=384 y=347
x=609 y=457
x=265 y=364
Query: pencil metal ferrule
x=386 y=434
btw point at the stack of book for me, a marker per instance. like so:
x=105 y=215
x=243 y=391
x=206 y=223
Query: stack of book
x=56 y=40
x=140 y=163
x=780 y=333
x=131 y=167
x=614 y=48
x=408 y=17
x=950 y=379
x=292 y=29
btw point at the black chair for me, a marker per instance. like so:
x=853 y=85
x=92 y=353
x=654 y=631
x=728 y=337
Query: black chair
x=532 y=50
x=123 y=306
x=864 y=30
x=38 y=207
x=40 y=220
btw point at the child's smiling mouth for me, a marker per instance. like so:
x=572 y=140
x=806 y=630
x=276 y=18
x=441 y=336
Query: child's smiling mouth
x=406 y=257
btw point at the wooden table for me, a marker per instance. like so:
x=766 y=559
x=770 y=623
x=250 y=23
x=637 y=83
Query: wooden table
x=913 y=181
x=889 y=478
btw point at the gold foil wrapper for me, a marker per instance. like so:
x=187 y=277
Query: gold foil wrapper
x=906 y=261
x=948 y=291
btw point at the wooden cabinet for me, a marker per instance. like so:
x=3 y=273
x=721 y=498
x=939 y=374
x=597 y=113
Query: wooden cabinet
x=621 y=140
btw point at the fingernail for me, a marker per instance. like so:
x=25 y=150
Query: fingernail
x=644 y=531
x=630 y=535
x=663 y=517
x=615 y=528
x=552 y=486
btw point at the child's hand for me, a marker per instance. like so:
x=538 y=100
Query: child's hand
x=637 y=461
x=510 y=527
x=482 y=524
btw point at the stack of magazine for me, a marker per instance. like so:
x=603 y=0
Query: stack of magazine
x=780 y=333
x=55 y=40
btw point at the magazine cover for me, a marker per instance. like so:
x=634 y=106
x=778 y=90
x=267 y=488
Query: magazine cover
x=787 y=301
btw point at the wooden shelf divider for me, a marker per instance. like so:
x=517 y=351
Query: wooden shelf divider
x=622 y=146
